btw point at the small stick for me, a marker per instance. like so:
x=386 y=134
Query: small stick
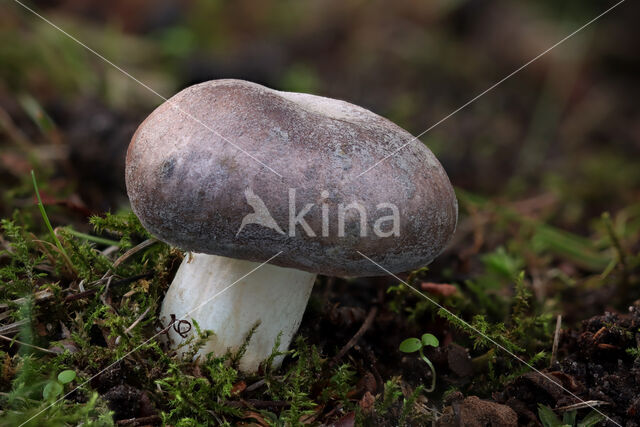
x=556 y=340
x=134 y=250
x=103 y=297
x=111 y=249
x=133 y=325
x=259 y=403
x=13 y=327
x=38 y=296
x=365 y=325
x=138 y=320
x=92 y=291
x=46 y=350
x=255 y=385
x=126 y=255
x=581 y=405
x=598 y=334
x=152 y=419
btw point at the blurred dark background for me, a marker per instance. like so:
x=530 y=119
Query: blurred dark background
x=566 y=130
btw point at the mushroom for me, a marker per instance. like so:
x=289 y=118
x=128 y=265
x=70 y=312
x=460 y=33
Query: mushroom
x=239 y=174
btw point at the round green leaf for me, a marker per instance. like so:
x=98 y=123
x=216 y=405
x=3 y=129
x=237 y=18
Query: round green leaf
x=410 y=345
x=67 y=376
x=428 y=339
x=52 y=390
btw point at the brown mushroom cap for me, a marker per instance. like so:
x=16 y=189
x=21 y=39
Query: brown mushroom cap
x=186 y=179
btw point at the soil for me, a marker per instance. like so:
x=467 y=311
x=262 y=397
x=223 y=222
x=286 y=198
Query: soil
x=595 y=367
x=474 y=412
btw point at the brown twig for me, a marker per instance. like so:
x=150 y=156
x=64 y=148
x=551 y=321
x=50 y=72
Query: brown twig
x=365 y=326
x=556 y=340
x=47 y=294
x=152 y=419
x=582 y=405
x=13 y=327
x=108 y=274
x=255 y=385
x=38 y=296
x=599 y=333
x=138 y=320
x=134 y=324
x=259 y=404
x=133 y=251
x=45 y=350
x=92 y=291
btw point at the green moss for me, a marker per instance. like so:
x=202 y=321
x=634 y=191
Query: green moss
x=92 y=332
x=199 y=399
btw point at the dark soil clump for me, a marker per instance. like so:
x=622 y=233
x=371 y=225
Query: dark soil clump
x=601 y=365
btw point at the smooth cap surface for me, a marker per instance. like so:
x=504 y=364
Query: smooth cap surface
x=192 y=187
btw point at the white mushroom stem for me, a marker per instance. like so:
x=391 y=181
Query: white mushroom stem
x=225 y=296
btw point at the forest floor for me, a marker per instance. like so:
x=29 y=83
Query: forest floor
x=534 y=304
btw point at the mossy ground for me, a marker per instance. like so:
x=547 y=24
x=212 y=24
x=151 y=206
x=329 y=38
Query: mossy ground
x=74 y=308
x=545 y=167
x=90 y=305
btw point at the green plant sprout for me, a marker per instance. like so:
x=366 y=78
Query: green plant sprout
x=634 y=351
x=45 y=217
x=54 y=388
x=411 y=345
x=550 y=419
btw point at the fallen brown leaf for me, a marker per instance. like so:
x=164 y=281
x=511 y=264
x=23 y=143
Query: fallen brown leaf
x=443 y=289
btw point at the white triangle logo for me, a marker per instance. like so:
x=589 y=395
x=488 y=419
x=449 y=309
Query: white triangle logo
x=260 y=215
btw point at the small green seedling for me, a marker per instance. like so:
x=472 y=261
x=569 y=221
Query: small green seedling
x=54 y=388
x=550 y=419
x=411 y=345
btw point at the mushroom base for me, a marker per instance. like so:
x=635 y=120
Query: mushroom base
x=226 y=296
